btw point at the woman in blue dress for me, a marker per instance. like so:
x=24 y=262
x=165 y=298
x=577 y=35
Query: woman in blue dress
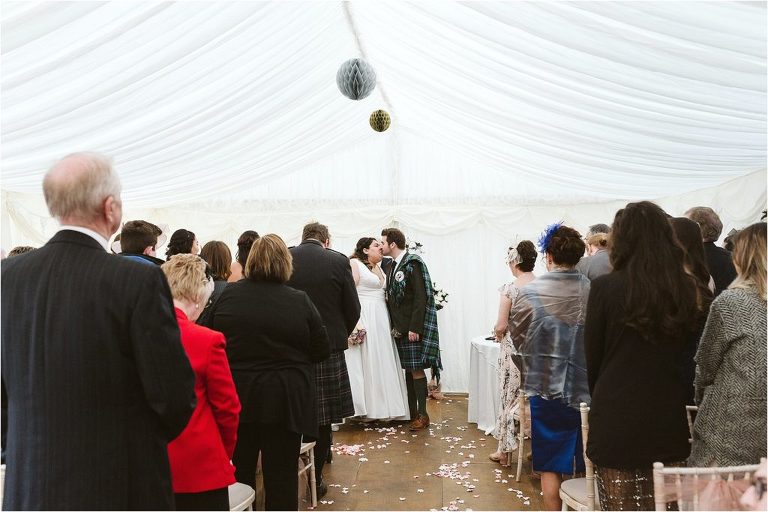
x=547 y=328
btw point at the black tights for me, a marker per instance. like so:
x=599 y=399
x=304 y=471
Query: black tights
x=322 y=449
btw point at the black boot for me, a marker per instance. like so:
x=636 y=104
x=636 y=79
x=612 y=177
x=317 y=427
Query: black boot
x=321 y=487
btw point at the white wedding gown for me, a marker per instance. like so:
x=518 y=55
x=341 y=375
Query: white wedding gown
x=375 y=374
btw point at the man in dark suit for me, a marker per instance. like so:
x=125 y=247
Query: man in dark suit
x=92 y=363
x=326 y=276
x=719 y=260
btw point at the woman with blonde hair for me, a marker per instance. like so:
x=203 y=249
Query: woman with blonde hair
x=730 y=429
x=274 y=338
x=597 y=242
x=200 y=457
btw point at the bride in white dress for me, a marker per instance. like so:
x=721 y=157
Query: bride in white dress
x=375 y=374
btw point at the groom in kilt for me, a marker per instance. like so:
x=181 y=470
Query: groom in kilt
x=413 y=317
x=326 y=276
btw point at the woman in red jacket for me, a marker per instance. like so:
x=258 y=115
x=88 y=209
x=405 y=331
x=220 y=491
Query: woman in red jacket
x=200 y=457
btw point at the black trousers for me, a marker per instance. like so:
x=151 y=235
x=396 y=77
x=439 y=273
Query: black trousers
x=217 y=499
x=279 y=449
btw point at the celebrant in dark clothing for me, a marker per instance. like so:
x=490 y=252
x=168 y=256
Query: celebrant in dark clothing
x=325 y=275
x=412 y=313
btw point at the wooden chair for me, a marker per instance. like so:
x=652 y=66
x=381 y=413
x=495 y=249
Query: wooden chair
x=686 y=494
x=308 y=451
x=522 y=402
x=241 y=496
x=579 y=493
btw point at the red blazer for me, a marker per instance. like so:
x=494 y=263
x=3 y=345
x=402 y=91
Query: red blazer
x=200 y=456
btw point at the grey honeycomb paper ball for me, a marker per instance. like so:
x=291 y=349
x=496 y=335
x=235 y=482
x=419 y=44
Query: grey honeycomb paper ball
x=356 y=79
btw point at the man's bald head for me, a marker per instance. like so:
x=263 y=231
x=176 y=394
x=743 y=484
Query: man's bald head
x=76 y=187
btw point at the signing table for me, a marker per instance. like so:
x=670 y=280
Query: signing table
x=483 y=384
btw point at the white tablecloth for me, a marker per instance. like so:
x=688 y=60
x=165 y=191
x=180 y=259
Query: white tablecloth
x=483 y=384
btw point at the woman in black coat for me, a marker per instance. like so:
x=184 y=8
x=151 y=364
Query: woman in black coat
x=639 y=320
x=274 y=336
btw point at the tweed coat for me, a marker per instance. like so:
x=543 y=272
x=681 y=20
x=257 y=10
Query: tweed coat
x=730 y=428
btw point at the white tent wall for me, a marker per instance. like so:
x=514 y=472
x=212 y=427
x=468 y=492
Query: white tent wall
x=464 y=245
x=506 y=116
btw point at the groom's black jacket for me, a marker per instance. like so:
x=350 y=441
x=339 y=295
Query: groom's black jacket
x=409 y=314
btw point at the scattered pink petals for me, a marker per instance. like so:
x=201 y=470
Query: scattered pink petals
x=345 y=449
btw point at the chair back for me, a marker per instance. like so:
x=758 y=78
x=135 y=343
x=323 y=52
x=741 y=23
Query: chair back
x=710 y=488
x=241 y=496
x=689 y=415
x=589 y=469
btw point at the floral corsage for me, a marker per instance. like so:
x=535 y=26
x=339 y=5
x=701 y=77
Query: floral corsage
x=357 y=337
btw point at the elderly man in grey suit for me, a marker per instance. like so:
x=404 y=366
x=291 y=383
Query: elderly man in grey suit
x=598 y=262
x=96 y=378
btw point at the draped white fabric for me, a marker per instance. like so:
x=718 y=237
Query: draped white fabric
x=506 y=116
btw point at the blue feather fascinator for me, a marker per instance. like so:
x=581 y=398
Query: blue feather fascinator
x=546 y=236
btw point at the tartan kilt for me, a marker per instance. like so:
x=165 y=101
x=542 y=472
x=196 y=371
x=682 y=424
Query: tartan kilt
x=410 y=353
x=334 y=395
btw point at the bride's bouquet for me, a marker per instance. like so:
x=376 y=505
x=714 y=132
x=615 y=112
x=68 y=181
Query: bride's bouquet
x=357 y=337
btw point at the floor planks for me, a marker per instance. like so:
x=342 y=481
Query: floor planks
x=399 y=473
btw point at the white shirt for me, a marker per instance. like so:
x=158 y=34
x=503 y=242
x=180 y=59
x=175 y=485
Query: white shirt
x=399 y=258
x=91 y=233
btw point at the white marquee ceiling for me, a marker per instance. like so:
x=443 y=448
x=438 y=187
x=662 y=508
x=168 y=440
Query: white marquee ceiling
x=528 y=102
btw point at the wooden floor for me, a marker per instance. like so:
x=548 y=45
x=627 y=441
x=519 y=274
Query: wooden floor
x=396 y=469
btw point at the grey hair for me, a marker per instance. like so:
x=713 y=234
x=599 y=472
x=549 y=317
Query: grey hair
x=708 y=220
x=82 y=195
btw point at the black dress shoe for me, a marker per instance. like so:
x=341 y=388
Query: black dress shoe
x=322 y=489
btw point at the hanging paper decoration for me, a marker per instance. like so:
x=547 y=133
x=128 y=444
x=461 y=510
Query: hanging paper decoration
x=380 y=120
x=356 y=79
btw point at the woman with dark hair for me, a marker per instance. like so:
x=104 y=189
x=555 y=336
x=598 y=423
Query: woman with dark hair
x=730 y=428
x=244 y=244
x=640 y=318
x=375 y=374
x=520 y=261
x=216 y=254
x=274 y=338
x=547 y=327
x=688 y=235
x=182 y=242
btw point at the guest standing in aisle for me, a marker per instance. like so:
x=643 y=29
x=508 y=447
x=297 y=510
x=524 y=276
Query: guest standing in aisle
x=200 y=457
x=274 y=338
x=730 y=428
x=520 y=260
x=412 y=313
x=639 y=325
x=96 y=377
x=325 y=276
x=546 y=325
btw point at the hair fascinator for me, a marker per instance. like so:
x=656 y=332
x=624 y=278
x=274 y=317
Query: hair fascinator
x=513 y=257
x=546 y=236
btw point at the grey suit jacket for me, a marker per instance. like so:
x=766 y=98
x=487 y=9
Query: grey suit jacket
x=96 y=378
x=596 y=265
